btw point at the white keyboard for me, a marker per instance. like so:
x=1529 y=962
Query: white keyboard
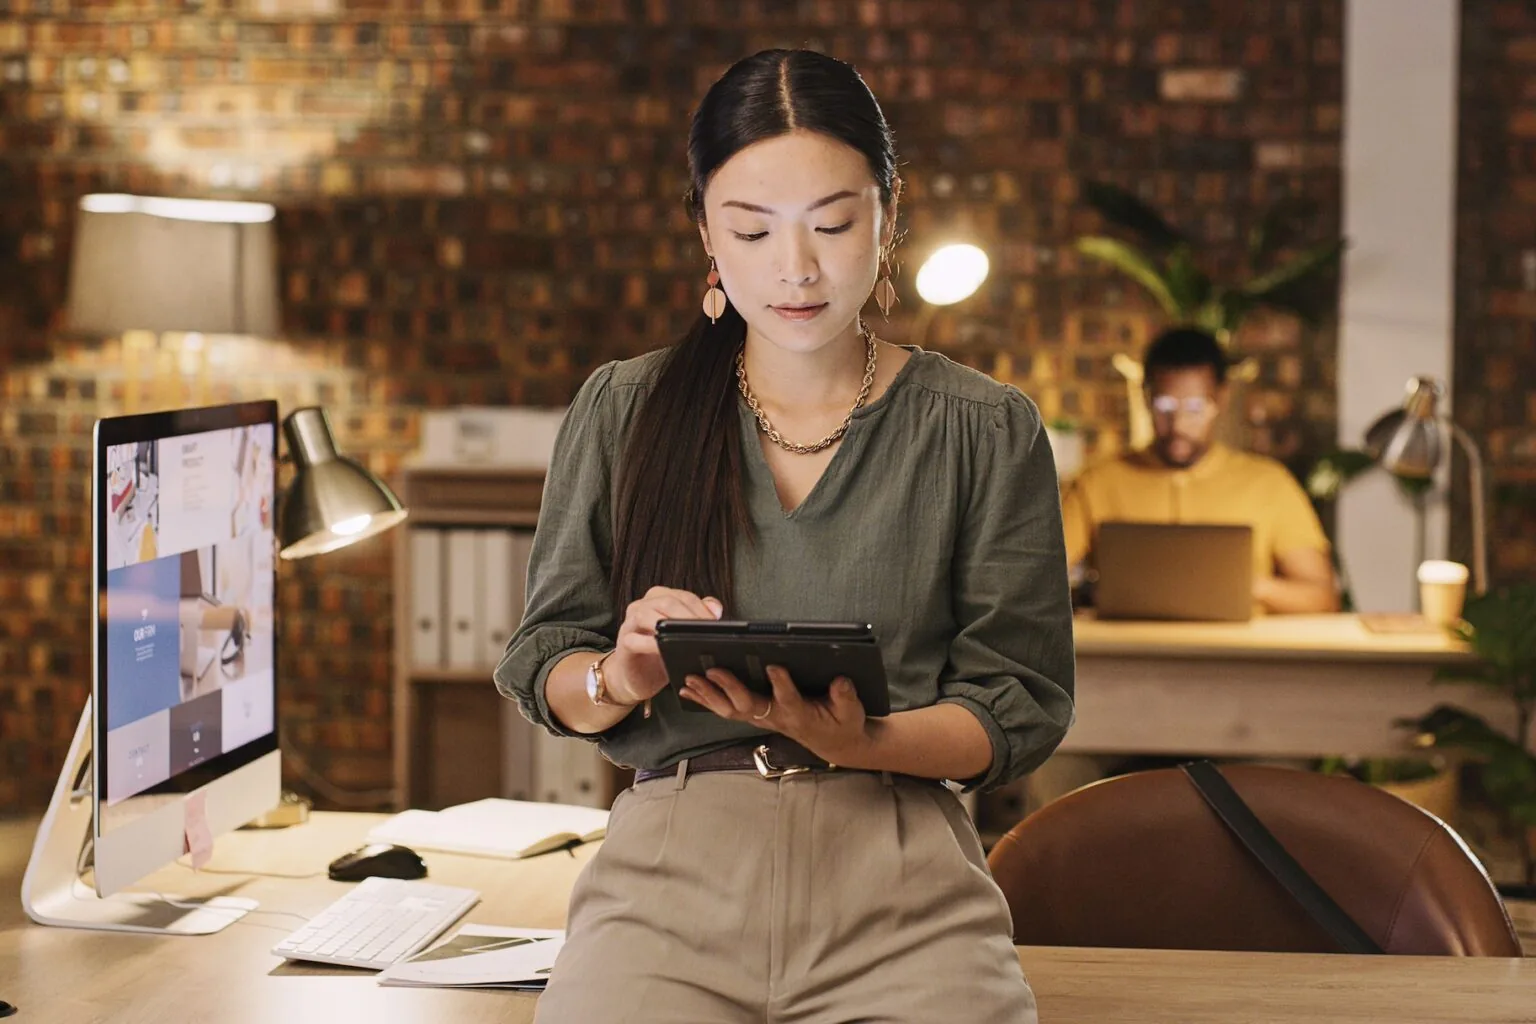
x=377 y=923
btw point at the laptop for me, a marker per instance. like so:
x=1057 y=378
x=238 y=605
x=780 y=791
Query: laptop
x=1189 y=571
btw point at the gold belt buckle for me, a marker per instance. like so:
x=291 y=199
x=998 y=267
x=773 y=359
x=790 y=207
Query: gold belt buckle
x=768 y=770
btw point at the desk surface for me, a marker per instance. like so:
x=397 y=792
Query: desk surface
x=65 y=977
x=1268 y=637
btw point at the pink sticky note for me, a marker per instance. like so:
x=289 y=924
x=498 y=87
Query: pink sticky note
x=199 y=841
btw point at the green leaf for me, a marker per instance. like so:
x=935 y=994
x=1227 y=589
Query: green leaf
x=1312 y=262
x=1123 y=209
x=1333 y=470
x=1186 y=282
x=1212 y=318
x=1234 y=305
x=1453 y=728
x=1279 y=227
x=1477 y=672
x=1502 y=626
x=1133 y=263
x=1303 y=299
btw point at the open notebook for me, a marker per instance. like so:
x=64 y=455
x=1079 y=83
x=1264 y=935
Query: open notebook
x=494 y=828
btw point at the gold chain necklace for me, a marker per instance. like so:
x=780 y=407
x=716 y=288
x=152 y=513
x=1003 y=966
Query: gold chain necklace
x=768 y=428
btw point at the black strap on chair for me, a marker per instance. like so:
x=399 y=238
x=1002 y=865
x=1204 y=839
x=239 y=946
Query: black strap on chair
x=1261 y=842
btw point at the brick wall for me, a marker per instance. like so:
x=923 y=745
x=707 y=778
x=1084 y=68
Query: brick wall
x=479 y=202
x=1495 y=368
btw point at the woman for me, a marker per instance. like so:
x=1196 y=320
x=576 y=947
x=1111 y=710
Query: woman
x=782 y=463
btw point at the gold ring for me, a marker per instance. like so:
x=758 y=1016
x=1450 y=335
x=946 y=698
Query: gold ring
x=766 y=711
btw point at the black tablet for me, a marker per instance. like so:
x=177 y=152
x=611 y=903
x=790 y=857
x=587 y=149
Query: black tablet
x=814 y=654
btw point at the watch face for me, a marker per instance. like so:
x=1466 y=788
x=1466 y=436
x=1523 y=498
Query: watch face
x=592 y=683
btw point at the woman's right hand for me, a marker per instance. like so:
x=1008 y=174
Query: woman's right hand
x=634 y=672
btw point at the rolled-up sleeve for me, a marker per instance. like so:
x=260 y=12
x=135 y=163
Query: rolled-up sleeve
x=1011 y=662
x=568 y=607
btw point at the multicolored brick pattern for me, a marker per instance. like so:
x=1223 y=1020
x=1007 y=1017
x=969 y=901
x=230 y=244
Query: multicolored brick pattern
x=1495 y=369
x=479 y=202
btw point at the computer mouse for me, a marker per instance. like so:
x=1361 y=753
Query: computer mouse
x=378 y=860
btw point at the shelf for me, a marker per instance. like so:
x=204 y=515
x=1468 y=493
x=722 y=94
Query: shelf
x=471 y=492
x=430 y=516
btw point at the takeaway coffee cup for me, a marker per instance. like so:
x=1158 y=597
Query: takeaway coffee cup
x=1442 y=591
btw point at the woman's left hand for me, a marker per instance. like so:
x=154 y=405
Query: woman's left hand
x=833 y=729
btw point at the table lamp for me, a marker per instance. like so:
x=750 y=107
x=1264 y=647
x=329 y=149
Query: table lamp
x=333 y=500
x=146 y=265
x=951 y=274
x=1409 y=441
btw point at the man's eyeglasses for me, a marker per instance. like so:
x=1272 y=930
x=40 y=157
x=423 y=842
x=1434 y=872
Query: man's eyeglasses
x=1194 y=405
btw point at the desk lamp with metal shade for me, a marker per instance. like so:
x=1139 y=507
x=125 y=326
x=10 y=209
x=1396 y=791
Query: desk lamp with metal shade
x=333 y=500
x=143 y=265
x=1410 y=442
x=148 y=265
x=951 y=274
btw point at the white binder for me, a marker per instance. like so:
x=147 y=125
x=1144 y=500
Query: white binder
x=583 y=774
x=426 y=554
x=519 y=745
x=466 y=585
x=519 y=737
x=502 y=607
x=570 y=771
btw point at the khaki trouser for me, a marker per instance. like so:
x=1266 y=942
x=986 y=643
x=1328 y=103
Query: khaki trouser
x=826 y=898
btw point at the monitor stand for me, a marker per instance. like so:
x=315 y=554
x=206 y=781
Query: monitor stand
x=52 y=892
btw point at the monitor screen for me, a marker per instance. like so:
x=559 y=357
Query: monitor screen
x=185 y=673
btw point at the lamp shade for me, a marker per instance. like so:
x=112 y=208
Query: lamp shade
x=154 y=264
x=333 y=501
x=1408 y=441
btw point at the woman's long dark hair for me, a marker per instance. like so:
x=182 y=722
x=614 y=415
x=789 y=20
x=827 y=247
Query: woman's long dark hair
x=679 y=502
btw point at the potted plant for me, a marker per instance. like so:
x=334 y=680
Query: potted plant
x=1067 y=447
x=1426 y=782
x=1500 y=626
x=1164 y=262
x=1167 y=266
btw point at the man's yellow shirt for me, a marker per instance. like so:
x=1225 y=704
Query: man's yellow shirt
x=1226 y=487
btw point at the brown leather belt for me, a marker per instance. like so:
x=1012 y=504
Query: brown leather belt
x=772 y=757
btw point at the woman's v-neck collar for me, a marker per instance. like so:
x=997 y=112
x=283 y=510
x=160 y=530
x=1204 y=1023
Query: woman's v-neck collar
x=853 y=439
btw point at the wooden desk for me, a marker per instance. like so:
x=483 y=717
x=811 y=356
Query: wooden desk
x=69 y=977
x=1279 y=686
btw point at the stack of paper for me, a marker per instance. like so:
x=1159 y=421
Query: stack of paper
x=482 y=956
x=495 y=828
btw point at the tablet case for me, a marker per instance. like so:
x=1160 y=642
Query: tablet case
x=814 y=654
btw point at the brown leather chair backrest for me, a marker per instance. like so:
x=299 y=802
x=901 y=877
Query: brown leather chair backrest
x=1141 y=861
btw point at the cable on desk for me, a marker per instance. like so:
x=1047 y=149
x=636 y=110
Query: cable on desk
x=253 y=874
x=79 y=883
x=203 y=905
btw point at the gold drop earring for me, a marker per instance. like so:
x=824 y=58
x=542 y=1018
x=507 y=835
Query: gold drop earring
x=885 y=292
x=714 y=298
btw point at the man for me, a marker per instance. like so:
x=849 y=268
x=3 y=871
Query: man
x=1187 y=477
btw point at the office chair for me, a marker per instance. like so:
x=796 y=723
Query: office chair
x=1142 y=861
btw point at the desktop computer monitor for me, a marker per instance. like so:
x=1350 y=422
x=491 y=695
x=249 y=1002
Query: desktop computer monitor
x=178 y=742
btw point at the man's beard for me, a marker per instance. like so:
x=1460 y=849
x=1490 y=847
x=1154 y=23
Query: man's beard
x=1197 y=450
